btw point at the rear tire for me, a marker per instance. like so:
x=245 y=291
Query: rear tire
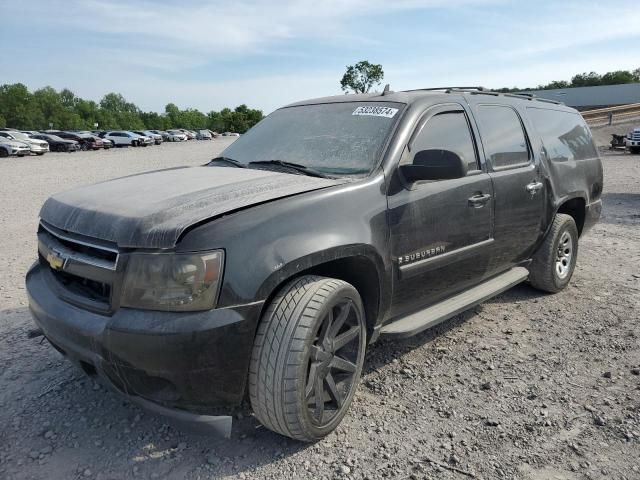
x=312 y=337
x=555 y=260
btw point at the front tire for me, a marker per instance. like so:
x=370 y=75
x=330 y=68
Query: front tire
x=555 y=260
x=307 y=357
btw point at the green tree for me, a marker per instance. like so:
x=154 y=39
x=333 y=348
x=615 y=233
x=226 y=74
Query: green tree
x=360 y=77
x=64 y=110
x=17 y=106
x=618 y=77
x=590 y=79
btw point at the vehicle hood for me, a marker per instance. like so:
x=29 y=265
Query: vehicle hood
x=153 y=210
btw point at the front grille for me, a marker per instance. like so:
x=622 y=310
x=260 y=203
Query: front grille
x=84 y=287
x=85 y=270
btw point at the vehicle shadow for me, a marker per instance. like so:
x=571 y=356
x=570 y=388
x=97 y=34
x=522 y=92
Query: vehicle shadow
x=99 y=429
x=386 y=350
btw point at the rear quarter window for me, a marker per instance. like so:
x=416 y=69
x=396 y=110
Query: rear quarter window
x=565 y=135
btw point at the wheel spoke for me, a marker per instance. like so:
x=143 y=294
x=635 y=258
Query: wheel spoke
x=334 y=393
x=319 y=394
x=311 y=381
x=342 y=364
x=346 y=337
x=326 y=327
x=345 y=308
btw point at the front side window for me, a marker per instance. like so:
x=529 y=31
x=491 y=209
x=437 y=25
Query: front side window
x=343 y=138
x=448 y=131
x=504 y=141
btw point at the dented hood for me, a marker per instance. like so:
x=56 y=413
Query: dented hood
x=153 y=210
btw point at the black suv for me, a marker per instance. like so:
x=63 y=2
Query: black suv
x=265 y=273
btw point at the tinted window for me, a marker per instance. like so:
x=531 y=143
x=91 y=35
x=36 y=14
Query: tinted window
x=334 y=138
x=564 y=134
x=502 y=136
x=448 y=131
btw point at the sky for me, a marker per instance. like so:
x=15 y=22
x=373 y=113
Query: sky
x=214 y=54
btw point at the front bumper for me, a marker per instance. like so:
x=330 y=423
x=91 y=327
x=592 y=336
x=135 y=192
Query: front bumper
x=39 y=148
x=191 y=362
x=20 y=151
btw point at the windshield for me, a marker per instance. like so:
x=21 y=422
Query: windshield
x=333 y=138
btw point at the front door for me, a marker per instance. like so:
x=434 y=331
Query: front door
x=441 y=231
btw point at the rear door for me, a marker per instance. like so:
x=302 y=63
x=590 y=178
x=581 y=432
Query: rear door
x=517 y=181
x=440 y=230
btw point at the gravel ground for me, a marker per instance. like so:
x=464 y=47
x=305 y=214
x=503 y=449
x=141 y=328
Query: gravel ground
x=526 y=386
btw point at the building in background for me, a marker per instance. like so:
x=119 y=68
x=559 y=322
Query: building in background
x=588 y=98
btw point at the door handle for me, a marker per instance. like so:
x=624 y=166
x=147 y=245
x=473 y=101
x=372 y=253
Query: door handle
x=479 y=200
x=534 y=187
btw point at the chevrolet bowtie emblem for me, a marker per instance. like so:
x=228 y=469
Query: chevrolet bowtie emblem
x=55 y=260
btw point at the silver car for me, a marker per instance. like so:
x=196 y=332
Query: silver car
x=39 y=147
x=10 y=147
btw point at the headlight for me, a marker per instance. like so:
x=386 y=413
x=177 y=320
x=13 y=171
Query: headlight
x=172 y=281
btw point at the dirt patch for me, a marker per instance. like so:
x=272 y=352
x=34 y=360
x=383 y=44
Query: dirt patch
x=526 y=386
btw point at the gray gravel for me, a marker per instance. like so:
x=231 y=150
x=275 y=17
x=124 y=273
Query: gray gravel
x=526 y=386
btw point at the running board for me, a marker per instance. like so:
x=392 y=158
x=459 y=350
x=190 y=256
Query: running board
x=431 y=316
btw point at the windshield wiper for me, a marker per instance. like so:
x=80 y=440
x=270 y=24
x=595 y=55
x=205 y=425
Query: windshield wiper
x=228 y=160
x=293 y=166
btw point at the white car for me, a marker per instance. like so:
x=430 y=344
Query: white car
x=39 y=147
x=157 y=138
x=122 y=138
x=176 y=136
x=10 y=147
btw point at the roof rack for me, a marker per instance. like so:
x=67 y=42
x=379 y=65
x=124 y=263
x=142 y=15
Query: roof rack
x=480 y=89
x=486 y=91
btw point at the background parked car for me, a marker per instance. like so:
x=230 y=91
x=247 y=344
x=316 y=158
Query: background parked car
x=190 y=135
x=165 y=135
x=56 y=143
x=122 y=138
x=86 y=143
x=10 y=147
x=39 y=147
x=204 y=135
x=176 y=136
x=106 y=143
x=157 y=138
x=99 y=141
x=144 y=140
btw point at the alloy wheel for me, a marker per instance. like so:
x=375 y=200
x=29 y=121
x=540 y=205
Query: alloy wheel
x=564 y=255
x=336 y=354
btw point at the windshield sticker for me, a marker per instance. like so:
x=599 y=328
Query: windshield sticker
x=371 y=111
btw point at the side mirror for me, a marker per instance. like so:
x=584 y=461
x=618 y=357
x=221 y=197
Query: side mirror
x=434 y=164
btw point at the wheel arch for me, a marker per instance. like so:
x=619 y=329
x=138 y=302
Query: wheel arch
x=575 y=207
x=358 y=265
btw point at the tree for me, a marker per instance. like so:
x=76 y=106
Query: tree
x=361 y=77
x=22 y=109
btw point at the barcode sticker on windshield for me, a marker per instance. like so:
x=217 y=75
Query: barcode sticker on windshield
x=371 y=111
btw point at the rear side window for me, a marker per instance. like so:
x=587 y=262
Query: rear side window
x=503 y=138
x=564 y=134
x=448 y=131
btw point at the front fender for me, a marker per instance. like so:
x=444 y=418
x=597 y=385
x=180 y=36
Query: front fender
x=269 y=243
